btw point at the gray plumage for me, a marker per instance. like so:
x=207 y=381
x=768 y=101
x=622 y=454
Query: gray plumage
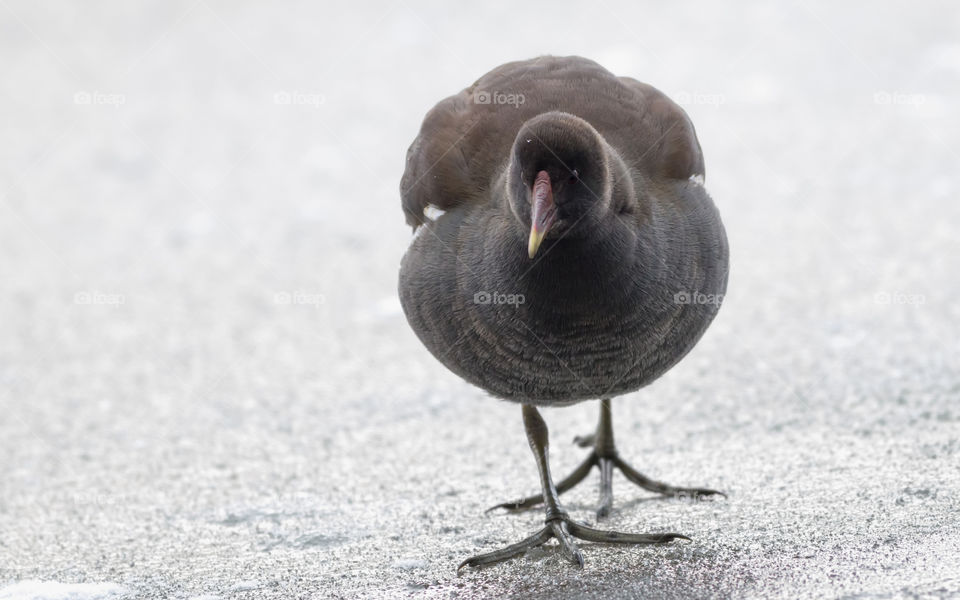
x=623 y=286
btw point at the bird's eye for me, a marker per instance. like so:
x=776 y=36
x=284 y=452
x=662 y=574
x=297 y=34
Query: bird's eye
x=574 y=176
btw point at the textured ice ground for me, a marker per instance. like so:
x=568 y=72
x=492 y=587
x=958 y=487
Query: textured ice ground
x=208 y=389
x=53 y=590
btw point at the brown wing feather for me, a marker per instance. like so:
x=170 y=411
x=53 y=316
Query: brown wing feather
x=463 y=144
x=670 y=147
x=437 y=170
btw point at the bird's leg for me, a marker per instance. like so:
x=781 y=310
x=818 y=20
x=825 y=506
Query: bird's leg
x=607 y=458
x=558 y=523
x=605 y=453
x=604 y=456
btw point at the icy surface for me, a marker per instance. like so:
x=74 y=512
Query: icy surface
x=207 y=388
x=52 y=590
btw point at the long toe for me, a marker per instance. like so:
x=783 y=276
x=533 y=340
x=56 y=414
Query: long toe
x=567 y=545
x=661 y=488
x=509 y=552
x=617 y=537
x=606 y=487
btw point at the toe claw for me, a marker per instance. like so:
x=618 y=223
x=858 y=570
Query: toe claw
x=506 y=505
x=518 y=505
x=578 y=558
x=468 y=562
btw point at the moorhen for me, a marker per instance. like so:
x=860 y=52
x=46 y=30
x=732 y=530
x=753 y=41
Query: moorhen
x=565 y=249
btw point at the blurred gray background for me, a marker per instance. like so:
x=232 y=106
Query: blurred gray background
x=208 y=389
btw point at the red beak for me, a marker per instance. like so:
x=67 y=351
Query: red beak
x=543 y=212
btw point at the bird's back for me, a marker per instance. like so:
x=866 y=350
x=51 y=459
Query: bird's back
x=466 y=137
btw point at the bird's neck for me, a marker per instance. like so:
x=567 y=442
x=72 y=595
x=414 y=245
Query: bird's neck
x=577 y=268
x=598 y=256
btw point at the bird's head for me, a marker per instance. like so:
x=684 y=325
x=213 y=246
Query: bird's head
x=560 y=178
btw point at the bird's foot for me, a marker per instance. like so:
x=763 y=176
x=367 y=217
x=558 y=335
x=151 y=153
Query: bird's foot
x=663 y=489
x=606 y=460
x=560 y=526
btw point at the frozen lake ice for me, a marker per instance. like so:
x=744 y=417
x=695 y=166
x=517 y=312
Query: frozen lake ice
x=208 y=389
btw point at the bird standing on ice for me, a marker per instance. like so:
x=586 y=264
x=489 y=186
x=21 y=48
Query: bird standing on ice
x=576 y=256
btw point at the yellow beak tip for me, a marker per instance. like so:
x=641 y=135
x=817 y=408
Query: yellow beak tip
x=536 y=238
